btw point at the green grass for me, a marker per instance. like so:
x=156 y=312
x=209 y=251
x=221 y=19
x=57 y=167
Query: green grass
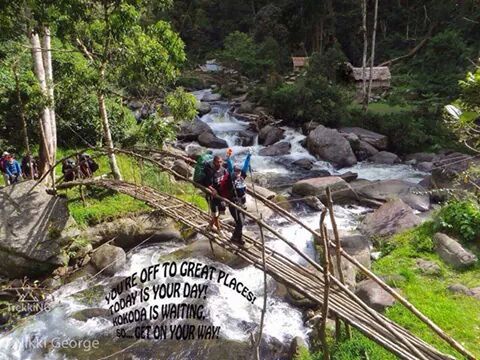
x=458 y=315
x=383 y=108
x=103 y=205
x=359 y=347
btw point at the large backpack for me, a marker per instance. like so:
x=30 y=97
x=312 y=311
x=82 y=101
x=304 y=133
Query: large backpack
x=199 y=172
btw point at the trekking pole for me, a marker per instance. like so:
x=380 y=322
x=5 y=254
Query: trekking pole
x=253 y=188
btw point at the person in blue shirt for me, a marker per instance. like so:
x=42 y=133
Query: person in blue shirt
x=234 y=188
x=13 y=170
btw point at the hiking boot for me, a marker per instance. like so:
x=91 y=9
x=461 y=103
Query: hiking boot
x=237 y=240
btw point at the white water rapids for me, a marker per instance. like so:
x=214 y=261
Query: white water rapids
x=236 y=316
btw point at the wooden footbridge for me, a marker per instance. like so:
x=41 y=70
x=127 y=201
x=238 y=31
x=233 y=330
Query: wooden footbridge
x=307 y=280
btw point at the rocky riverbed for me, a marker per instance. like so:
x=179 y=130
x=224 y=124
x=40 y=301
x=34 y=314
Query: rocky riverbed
x=375 y=192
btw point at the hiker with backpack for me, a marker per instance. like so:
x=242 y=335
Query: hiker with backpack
x=209 y=172
x=30 y=167
x=234 y=188
x=87 y=166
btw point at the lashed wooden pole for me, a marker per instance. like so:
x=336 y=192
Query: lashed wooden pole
x=422 y=317
x=338 y=248
x=326 y=287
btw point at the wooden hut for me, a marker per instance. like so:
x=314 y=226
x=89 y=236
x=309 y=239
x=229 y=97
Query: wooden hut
x=299 y=62
x=380 y=78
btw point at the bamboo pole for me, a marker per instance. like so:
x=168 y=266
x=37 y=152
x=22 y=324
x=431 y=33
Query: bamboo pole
x=326 y=287
x=338 y=247
x=445 y=337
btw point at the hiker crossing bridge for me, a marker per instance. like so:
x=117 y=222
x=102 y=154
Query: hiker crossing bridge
x=307 y=280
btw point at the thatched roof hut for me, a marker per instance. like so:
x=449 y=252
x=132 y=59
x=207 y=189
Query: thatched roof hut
x=299 y=62
x=380 y=77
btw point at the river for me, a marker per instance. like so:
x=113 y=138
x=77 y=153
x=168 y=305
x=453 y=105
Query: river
x=236 y=316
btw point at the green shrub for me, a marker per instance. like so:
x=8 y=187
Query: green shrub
x=408 y=131
x=308 y=98
x=329 y=64
x=460 y=218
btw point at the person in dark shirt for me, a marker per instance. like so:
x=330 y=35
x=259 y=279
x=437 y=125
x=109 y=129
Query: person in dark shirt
x=214 y=174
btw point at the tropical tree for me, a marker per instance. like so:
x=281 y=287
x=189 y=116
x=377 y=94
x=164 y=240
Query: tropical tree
x=122 y=50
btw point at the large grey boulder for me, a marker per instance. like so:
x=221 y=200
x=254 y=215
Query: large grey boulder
x=447 y=167
x=340 y=189
x=109 y=259
x=211 y=97
x=210 y=140
x=364 y=150
x=34 y=228
x=277 y=149
x=182 y=168
x=390 y=218
x=130 y=231
x=269 y=135
x=266 y=193
x=383 y=190
x=374 y=296
x=420 y=157
x=305 y=164
x=452 y=252
x=202 y=108
x=375 y=139
x=246 y=137
x=191 y=130
x=330 y=145
x=384 y=157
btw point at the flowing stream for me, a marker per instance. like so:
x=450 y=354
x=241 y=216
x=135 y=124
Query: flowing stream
x=236 y=316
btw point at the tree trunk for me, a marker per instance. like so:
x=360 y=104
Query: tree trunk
x=372 y=57
x=107 y=134
x=47 y=63
x=21 y=111
x=365 y=48
x=46 y=145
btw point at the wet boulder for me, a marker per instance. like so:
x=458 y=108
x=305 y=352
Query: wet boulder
x=109 y=259
x=383 y=190
x=270 y=134
x=364 y=150
x=211 y=141
x=329 y=145
x=202 y=108
x=420 y=157
x=377 y=140
x=446 y=169
x=246 y=137
x=306 y=164
x=182 y=168
x=277 y=149
x=425 y=166
x=340 y=189
x=191 y=130
x=211 y=97
x=390 y=218
x=384 y=157
x=34 y=229
x=452 y=252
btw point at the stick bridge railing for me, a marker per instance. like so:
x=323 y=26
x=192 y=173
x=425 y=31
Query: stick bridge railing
x=308 y=280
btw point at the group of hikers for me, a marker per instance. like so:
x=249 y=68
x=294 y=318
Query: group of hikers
x=225 y=179
x=13 y=172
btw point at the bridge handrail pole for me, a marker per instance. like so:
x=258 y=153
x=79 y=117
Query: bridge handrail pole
x=291 y=245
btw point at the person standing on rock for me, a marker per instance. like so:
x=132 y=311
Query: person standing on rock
x=234 y=188
x=3 y=166
x=13 y=170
